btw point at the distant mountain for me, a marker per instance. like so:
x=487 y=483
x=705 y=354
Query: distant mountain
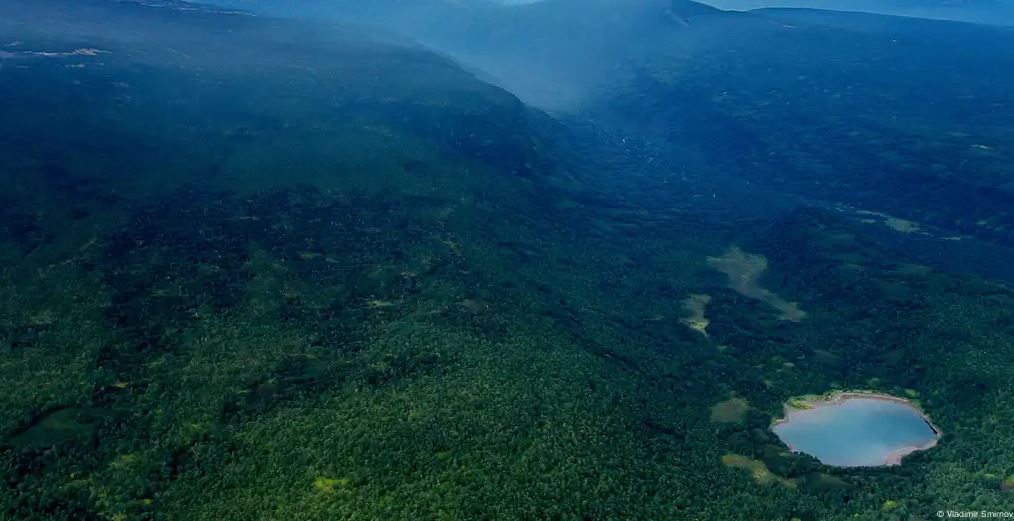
x=108 y=70
x=555 y=53
x=996 y=12
x=776 y=97
x=900 y=115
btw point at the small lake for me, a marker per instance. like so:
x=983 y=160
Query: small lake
x=856 y=430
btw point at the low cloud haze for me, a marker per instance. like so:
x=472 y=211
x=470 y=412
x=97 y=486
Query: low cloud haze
x=556 y=54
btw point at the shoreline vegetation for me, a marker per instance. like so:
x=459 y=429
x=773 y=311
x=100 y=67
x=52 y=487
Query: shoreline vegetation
x=798 y=405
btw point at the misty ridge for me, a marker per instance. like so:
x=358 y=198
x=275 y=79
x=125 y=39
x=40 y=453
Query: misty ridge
x=697 y=88
x=712 y=87
x=556 y=54
x=564 y=55
x=684 y=90
x=993 y=12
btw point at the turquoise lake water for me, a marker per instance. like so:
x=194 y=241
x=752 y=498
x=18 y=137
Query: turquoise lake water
x=857 y=432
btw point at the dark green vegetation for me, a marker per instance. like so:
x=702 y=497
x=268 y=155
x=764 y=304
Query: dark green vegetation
x=908 y=117
x=256 y=269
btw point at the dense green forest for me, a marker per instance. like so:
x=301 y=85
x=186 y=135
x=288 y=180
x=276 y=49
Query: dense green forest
x=255 y=269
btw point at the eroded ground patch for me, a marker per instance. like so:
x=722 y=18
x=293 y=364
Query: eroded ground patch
x=695 y=306
x=744 y=271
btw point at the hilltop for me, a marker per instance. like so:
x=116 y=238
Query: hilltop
x=993 y=12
